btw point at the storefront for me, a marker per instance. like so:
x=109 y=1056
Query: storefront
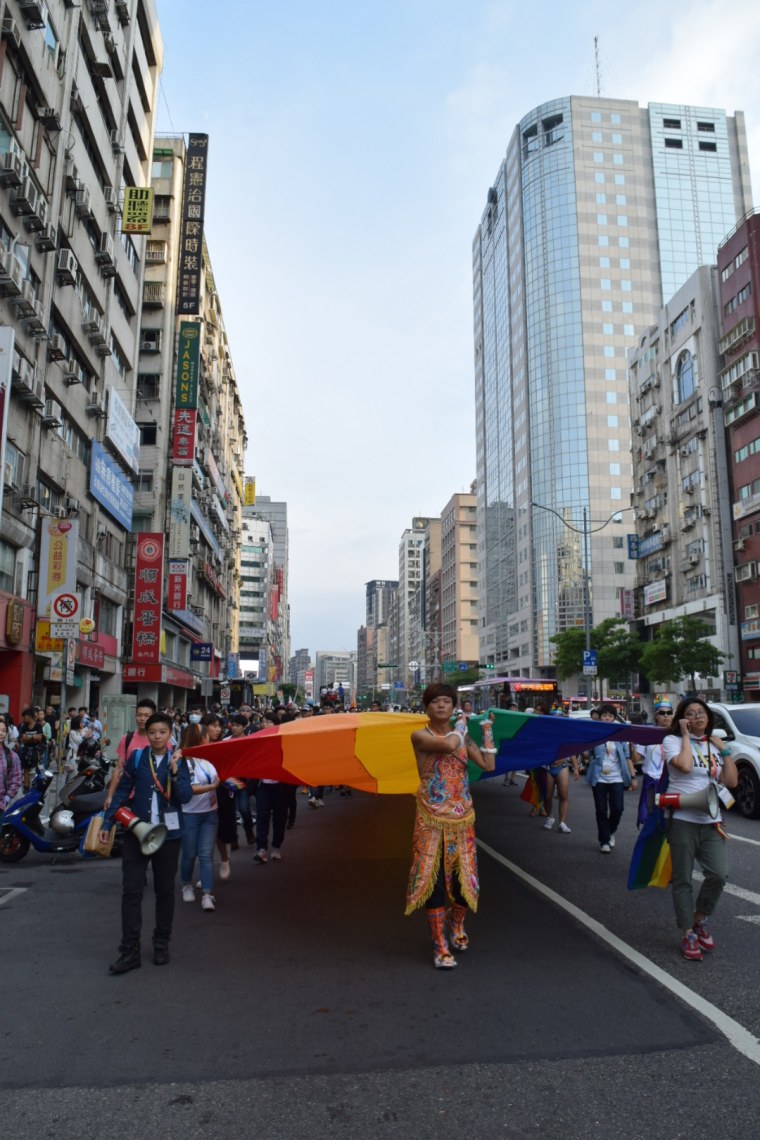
x=16 y=654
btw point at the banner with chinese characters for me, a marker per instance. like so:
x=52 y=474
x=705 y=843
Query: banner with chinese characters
x=190 y=269
x=58 y=560
x=137 y=211
x=149 y=568
x=177 y=593
x=183 y=437
x=188 y=360
x=250 y=493
x=179 y=512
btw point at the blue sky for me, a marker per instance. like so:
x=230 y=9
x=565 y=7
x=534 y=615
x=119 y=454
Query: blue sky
x=351 y=148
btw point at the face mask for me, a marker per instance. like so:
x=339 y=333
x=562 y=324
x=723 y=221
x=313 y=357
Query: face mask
x=195 y=719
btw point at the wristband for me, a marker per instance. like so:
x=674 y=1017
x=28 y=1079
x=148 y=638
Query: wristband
x=725 y=751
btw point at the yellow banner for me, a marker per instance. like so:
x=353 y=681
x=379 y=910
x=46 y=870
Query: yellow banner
x=43 y=642
x=250 y=493
x=137 y=212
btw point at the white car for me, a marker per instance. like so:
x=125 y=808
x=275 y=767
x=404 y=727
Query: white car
x=741 y=726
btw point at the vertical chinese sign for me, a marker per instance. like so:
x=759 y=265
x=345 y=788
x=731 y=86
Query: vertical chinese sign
x=149 y=570
x=58 y=561
x=191 y=241
x=137 y=211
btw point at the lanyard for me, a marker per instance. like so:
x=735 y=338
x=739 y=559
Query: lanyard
x=706 y=761
x=164 y=791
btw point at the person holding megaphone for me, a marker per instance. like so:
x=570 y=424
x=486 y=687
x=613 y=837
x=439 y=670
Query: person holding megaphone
x=697 y=761
x=161 y=784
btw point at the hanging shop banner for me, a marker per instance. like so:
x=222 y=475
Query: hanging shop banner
x=110 y=486
x=146 y=632
x=137 y=211
x=190 y=270
x=177 y=592
x=188 y=360
x=58 y=560
x=179 y=512
x=250 y=493
x=183 y=436
x=122 y=431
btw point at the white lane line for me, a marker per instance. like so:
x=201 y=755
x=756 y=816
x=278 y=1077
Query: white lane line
x=741 y=1039
x=744 y=839
x=730 y=889
x=749 y=918
x=8 y=893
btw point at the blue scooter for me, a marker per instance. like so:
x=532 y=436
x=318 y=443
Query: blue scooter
x=21 y=826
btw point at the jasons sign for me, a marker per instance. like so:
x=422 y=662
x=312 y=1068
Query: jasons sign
x=188 y=362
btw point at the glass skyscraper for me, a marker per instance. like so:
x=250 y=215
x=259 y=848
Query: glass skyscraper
x=600 y=210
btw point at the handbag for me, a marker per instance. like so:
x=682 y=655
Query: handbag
x=92 y=841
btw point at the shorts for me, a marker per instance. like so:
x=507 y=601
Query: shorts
x=555 y=769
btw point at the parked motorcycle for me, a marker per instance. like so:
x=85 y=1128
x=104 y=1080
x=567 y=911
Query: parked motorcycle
x=21 y=825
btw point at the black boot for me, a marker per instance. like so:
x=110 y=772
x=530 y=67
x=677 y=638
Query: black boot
x=161 y=955
x=129 y=959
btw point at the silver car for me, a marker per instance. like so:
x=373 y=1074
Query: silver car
x=741 y=726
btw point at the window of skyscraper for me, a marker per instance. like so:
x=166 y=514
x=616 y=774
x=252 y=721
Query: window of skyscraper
x=674 y=144
x=671 y=124
x=711 y=146
x=684 y=377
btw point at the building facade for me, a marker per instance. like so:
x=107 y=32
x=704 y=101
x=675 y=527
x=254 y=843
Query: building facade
x=257 y=579
x=459 y=580
x=600 y=210
x=739 y=307
x=683 y=522
x=78 y=92
x=274 y=667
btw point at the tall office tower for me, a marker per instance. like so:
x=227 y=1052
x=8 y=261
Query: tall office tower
x=599 y=212
x=419 y=556
x=276 y=514
x=459 y=574
x=379 y=594
x=256 y=583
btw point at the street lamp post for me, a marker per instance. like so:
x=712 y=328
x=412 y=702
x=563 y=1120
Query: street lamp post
x=586 y=531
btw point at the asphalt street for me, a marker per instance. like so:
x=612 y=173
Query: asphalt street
x=307 y=1004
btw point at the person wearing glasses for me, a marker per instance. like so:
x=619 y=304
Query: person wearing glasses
x=652 y=759
x=695 y=758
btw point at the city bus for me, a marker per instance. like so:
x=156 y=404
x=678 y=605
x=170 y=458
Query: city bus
x=501 y=692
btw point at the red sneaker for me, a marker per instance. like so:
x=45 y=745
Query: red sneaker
x=690 y=947
x=706 y=940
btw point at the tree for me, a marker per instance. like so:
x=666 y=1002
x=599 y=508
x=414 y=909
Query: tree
x=681 y=649
x=618 y=651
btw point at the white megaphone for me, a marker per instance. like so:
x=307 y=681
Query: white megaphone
x=150 y=836
x=704 y=800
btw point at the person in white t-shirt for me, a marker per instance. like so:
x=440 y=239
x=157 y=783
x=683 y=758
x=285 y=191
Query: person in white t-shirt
x=695 y=758
x=653 y=759
x=200 y=821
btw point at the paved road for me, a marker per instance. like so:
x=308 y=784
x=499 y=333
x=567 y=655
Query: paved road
x=307 y=1005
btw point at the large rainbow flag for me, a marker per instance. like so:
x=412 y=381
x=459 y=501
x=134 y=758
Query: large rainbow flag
x=373 y=752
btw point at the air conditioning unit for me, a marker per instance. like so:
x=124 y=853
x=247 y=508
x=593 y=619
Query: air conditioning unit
x=37 y=218
x=117 y=146
x=35 y=322
x=57 y=347
x=91 y=324
x=10 y=274
x=11 y=169
x=693 y=559
x=24 y=197
x=60 y=513
x=122 y=11
x=28 y=495
x=52 y=416
x=684 y=452
x=71 y=374
x=112 y=198
x=50 y=118
x=110 y=42
x=83 y=202
x=76 y=103
x=25 y=302
x=96 y=407
x=71 y=504
x=45 y=239
x=104 y=256
x=34 y=12
x=71 y=175
x=739 y=544
x=11 y=31
x=67 y=267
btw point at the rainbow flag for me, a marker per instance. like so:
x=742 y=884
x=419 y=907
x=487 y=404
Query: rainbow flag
x=650 y=862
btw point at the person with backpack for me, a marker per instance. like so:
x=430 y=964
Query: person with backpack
x=131 y=742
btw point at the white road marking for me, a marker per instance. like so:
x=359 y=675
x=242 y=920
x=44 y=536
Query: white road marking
x=730 y=889
x=8 y=893
x=749 y=918
x=741 y=1039
x=744 y=839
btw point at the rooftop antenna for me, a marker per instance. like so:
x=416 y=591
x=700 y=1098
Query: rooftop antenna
x=596 y=68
